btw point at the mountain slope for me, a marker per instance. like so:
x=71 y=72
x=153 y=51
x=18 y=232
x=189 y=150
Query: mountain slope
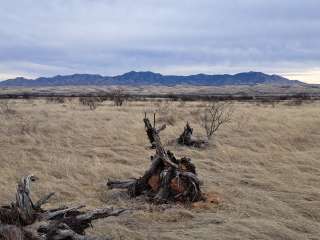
x=149 y=78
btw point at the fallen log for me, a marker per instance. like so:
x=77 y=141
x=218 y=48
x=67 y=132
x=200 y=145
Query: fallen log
x=167 y=179
x=187 y=139
x=25 y=220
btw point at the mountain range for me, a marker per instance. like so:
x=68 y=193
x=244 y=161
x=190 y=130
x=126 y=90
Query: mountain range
x=149 y=78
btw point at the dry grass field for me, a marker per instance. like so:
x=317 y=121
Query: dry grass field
x=256 y=90
x=265 y=165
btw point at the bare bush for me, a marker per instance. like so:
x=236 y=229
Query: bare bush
x=215 y=115
x=59 y=100
x=118 y=96
x=89 y=101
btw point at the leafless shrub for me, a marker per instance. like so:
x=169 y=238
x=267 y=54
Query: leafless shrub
x=118 y=96
x=89 y=101
x=215 y=115
x=104 y=98
x=59 y=100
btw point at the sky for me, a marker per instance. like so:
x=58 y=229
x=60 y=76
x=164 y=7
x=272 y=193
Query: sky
x=111 y=37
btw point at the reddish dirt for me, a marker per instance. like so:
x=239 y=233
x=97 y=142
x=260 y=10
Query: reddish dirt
x=210 y=199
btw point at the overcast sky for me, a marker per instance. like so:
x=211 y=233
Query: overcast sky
x=109 y=37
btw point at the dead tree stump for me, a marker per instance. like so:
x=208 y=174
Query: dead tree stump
x=26 y=220
x=167 y=179
x=187 y=139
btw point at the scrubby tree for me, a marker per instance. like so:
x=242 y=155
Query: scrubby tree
x=118 y=96
x=215 y=115
x=91 y=102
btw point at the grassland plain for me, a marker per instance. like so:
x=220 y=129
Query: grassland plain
x=256 y=90
x=265 y=165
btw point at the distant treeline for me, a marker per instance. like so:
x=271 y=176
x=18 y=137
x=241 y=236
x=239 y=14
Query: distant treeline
x=172 y=97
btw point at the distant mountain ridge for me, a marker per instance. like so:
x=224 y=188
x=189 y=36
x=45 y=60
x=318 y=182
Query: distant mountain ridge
x=150 y=78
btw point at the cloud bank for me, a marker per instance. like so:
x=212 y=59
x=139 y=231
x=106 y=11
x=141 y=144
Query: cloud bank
x=109 y=37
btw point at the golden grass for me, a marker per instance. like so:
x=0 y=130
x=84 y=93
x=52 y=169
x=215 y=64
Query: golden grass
x=265 y=165
x=256 y=90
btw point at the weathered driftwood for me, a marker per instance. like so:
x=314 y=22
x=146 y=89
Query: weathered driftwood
x=167 y=179
x=187 y=139
x=25 y=220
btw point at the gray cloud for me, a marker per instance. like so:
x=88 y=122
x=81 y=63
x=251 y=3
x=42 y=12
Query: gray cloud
x=113 y=36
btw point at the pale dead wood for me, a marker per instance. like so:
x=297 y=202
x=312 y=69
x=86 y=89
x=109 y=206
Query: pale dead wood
x=43 y=200
x=24 y=220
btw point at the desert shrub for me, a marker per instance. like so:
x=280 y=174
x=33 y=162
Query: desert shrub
x=103 y=98
x=118 y=97
x=91 y=102
x=215 y=115
x=59 y=100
